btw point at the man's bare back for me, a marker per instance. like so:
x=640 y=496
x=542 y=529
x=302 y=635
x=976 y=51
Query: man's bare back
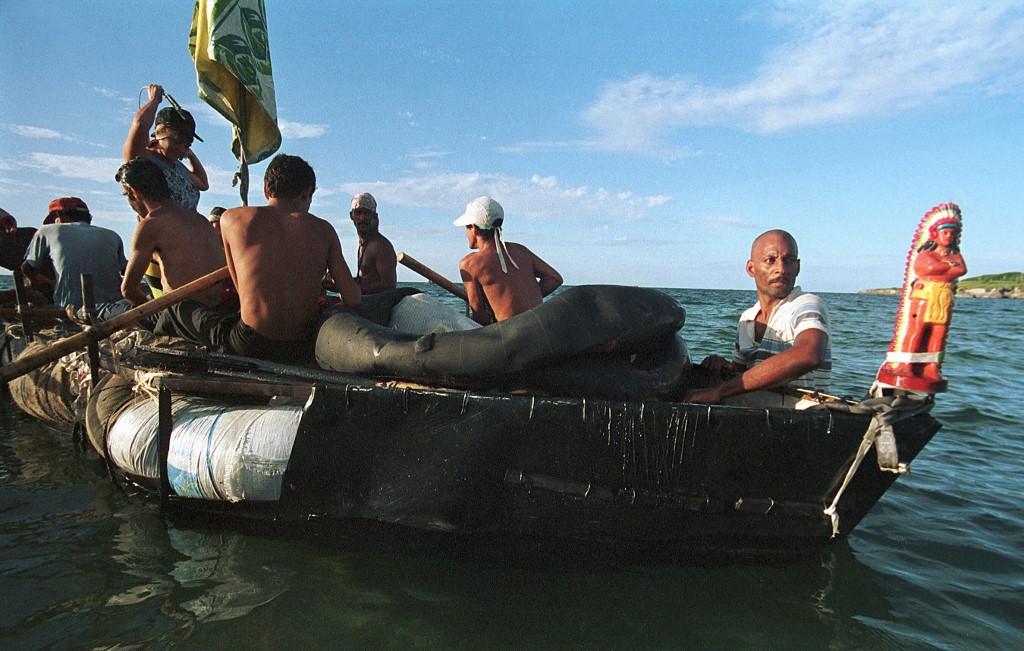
x=278 y=255
x=185 y=245
x=507 y=293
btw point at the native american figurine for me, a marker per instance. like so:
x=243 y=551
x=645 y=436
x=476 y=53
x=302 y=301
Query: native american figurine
x=926 y=304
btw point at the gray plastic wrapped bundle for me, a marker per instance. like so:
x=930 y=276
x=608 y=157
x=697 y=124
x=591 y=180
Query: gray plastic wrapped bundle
x=420 y=314
x=218 y=451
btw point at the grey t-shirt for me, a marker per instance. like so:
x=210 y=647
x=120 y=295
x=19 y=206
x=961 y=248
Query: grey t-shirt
x=75 y=249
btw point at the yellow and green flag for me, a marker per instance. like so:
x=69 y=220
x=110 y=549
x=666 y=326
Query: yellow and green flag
x=231 y=49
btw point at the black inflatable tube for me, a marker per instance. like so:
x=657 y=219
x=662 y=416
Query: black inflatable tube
x=627 y=319
x=659 y=373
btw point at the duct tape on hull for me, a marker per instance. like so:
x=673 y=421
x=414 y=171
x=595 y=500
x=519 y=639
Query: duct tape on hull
x=218 y=451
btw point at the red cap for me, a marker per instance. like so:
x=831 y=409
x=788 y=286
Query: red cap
x=68 y=203
x=64 y=203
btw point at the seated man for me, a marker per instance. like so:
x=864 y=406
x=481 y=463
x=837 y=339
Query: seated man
x=73 y=246
x=497 y=292
x=181 y=241
x=783 y=339
x=376 y=261
x=278 y=255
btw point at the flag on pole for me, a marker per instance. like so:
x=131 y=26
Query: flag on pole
x=230 y=47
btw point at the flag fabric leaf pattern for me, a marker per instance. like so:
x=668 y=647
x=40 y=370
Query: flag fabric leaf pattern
x=230 y=47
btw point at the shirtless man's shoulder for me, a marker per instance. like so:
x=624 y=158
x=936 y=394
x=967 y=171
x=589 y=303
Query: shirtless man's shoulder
x=379 y=245
x=476 y=264
x=481 y=262
x=184 y=243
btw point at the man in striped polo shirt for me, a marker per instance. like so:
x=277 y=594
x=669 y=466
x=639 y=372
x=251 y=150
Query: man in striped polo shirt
x=783 y=339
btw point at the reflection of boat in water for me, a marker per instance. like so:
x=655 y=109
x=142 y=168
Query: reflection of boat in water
x=558 y=424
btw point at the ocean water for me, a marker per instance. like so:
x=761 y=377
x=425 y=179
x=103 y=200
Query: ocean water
x=939 y=562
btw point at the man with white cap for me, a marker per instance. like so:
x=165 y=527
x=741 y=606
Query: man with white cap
x=502 y=278
x=376 y=262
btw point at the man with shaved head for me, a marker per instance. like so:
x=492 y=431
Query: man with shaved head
x=783 y=339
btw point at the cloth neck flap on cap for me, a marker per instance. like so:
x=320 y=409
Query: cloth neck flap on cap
x=501 y=245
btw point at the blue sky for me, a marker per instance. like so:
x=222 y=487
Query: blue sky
x=642 y=143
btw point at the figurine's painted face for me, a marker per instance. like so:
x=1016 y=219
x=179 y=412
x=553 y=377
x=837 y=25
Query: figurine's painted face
x=774 y=265
x=946 y=237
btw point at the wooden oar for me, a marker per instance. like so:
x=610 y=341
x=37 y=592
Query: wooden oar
x=432 y=276
x=63 y=347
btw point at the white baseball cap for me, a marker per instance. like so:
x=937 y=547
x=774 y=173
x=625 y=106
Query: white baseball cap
x=365 y=201
x=482 y=212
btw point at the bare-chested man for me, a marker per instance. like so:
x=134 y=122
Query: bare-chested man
x=502 y=278
x=376 y=261
x=278 y=255
x=182 y=241
x=179 y=242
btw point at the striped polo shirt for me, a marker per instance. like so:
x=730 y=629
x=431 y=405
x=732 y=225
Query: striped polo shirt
x=798 y=312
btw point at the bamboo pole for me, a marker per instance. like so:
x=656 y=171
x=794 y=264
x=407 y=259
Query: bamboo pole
x=432 y=276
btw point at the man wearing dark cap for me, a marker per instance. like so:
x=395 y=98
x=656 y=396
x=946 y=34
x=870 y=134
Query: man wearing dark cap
x=168 y=144
x=376 y=261
x=75 y=247
x=215 y=214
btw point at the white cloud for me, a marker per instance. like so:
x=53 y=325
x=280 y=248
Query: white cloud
x=43 y=133
x=671 y=153
x=220 y=182
x=207 y=116
x=112 y=94
x=425 y=160
x=91 y=168
x=537 y=197
x=26 y=131
x=844 y=62
x=299 y=130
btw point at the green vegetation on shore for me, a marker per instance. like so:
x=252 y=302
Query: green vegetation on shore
x=1004 y=285
x=1009 y=280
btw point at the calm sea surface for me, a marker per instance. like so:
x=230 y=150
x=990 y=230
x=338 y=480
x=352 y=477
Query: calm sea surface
x=939 y=562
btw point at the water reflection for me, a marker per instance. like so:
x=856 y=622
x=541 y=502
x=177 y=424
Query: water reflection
x=434 y=602
x=198 y=576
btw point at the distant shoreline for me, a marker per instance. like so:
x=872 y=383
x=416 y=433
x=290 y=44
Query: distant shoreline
x=973 y=292
x=1004 y=285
